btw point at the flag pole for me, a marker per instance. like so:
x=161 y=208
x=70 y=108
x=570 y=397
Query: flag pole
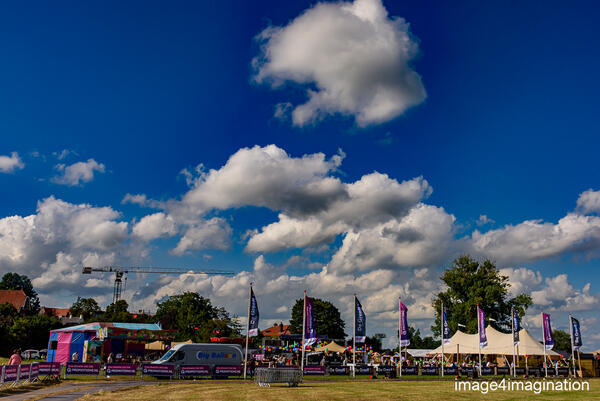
x=512 y=323
x=247 y=330
x=544 y=338
x=442 y=327
x=303 y=330
x=354 y=341
x=400 y=332
x=479 y=338
x=572 y=346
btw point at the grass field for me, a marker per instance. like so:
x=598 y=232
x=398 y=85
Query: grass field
x=332 y=390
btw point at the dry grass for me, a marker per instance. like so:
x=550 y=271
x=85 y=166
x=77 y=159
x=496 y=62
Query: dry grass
x=343 y=391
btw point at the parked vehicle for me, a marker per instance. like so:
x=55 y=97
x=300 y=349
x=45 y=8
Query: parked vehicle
x=30 y=354
x=203 y=354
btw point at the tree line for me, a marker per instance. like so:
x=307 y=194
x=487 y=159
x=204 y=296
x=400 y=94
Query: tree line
x=468 y=283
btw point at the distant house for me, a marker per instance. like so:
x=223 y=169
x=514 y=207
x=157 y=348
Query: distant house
x=16 y=298
x=276 y=330
x=63 y=314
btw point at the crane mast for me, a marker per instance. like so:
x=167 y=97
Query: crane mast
x=121 y=273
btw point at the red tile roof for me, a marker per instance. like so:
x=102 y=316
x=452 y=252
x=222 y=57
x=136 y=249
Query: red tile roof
x=57 y=312
x=16 y=298
x=276 y=330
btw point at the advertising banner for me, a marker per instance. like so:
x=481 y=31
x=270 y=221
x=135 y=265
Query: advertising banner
x=73 y=368
x=314 y=371
x=10 y=373
x=577 y=343
x=254 y=315
x=548 y=340
x=404 y=336
x=35 y=370
x=49 y=368
x=24 y=373
x=516 y=327
x=451 y=371
x=445 y=328
x=386 y=369
x=310 y=332
x=520 y=371
x=121 y=369
x=362 y=370
x=503 y=371
x=194 y=370
x=409 y=370
x=337 y=370
x=155 y=369
x=429 y=371
x=361 y=322
x=487 y=371
x=481 y=324
x=231 y=370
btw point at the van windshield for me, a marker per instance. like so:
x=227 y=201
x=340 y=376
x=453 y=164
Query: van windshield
x=166 y=356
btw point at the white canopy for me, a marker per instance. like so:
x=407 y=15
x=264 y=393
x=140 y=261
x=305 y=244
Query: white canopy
x=498 y=344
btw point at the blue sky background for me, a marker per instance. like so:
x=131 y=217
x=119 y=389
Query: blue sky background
x=509 y=128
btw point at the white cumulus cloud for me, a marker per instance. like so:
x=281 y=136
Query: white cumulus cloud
x=589 y=201
x=155 y=226
x=8 y=164
x=353 y=58
x=78 y=173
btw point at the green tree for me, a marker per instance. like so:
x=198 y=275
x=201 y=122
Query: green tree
x=562 y=340
x=117 y=312
x=14 y=281
x=85 y=307
x=328 y=320
x=196 y=318
x=8 y=314
x=416 y=341
x=32 y=332
x=471 y=283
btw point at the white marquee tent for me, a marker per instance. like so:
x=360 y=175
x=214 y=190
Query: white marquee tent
x=498 y=344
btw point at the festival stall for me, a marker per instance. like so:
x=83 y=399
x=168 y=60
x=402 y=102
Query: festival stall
x=331 y=347
x=94 y=341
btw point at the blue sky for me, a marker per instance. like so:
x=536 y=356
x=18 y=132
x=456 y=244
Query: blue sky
x=507 y=129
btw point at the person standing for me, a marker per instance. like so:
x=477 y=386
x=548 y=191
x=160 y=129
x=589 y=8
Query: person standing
x=15 y=358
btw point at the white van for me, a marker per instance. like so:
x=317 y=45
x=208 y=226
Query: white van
x=203 y=354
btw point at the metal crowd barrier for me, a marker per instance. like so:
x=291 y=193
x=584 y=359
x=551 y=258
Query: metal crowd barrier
x=13 y=375
x=265 y=376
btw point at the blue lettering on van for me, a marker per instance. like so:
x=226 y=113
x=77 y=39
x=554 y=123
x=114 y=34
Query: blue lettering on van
x=203 y=355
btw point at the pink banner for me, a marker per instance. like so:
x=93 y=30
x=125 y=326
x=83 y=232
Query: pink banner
x=63 y=348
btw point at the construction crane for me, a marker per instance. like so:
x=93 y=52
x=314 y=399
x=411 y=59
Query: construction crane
x=121 y=274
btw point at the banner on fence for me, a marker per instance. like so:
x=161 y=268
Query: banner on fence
x=362 y=370
x=409 y=370
x=11 y=373
x=155 y=369
x=73 y=368
x=194 y=370
x=49 y=368
x=487 y=371
x=25 y=371
x=429 y=371
x=121 y=369
x=503 y=371
x=228 y=370
x=35 y=369
x=314 y=371
x=337 y=370
x=451 y=371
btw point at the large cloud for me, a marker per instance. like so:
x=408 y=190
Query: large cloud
x=52 y=245
x=352 y=57
x=589 y=201
x=535 y=239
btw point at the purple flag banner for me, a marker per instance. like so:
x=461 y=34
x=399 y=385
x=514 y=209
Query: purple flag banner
x=253 y=325
x=516 y=327
x=404 y=336
x=445 y=328
x=548 y=340
x=361 y=322
x=314 y=371
x=310 y=332
x=481 y=324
